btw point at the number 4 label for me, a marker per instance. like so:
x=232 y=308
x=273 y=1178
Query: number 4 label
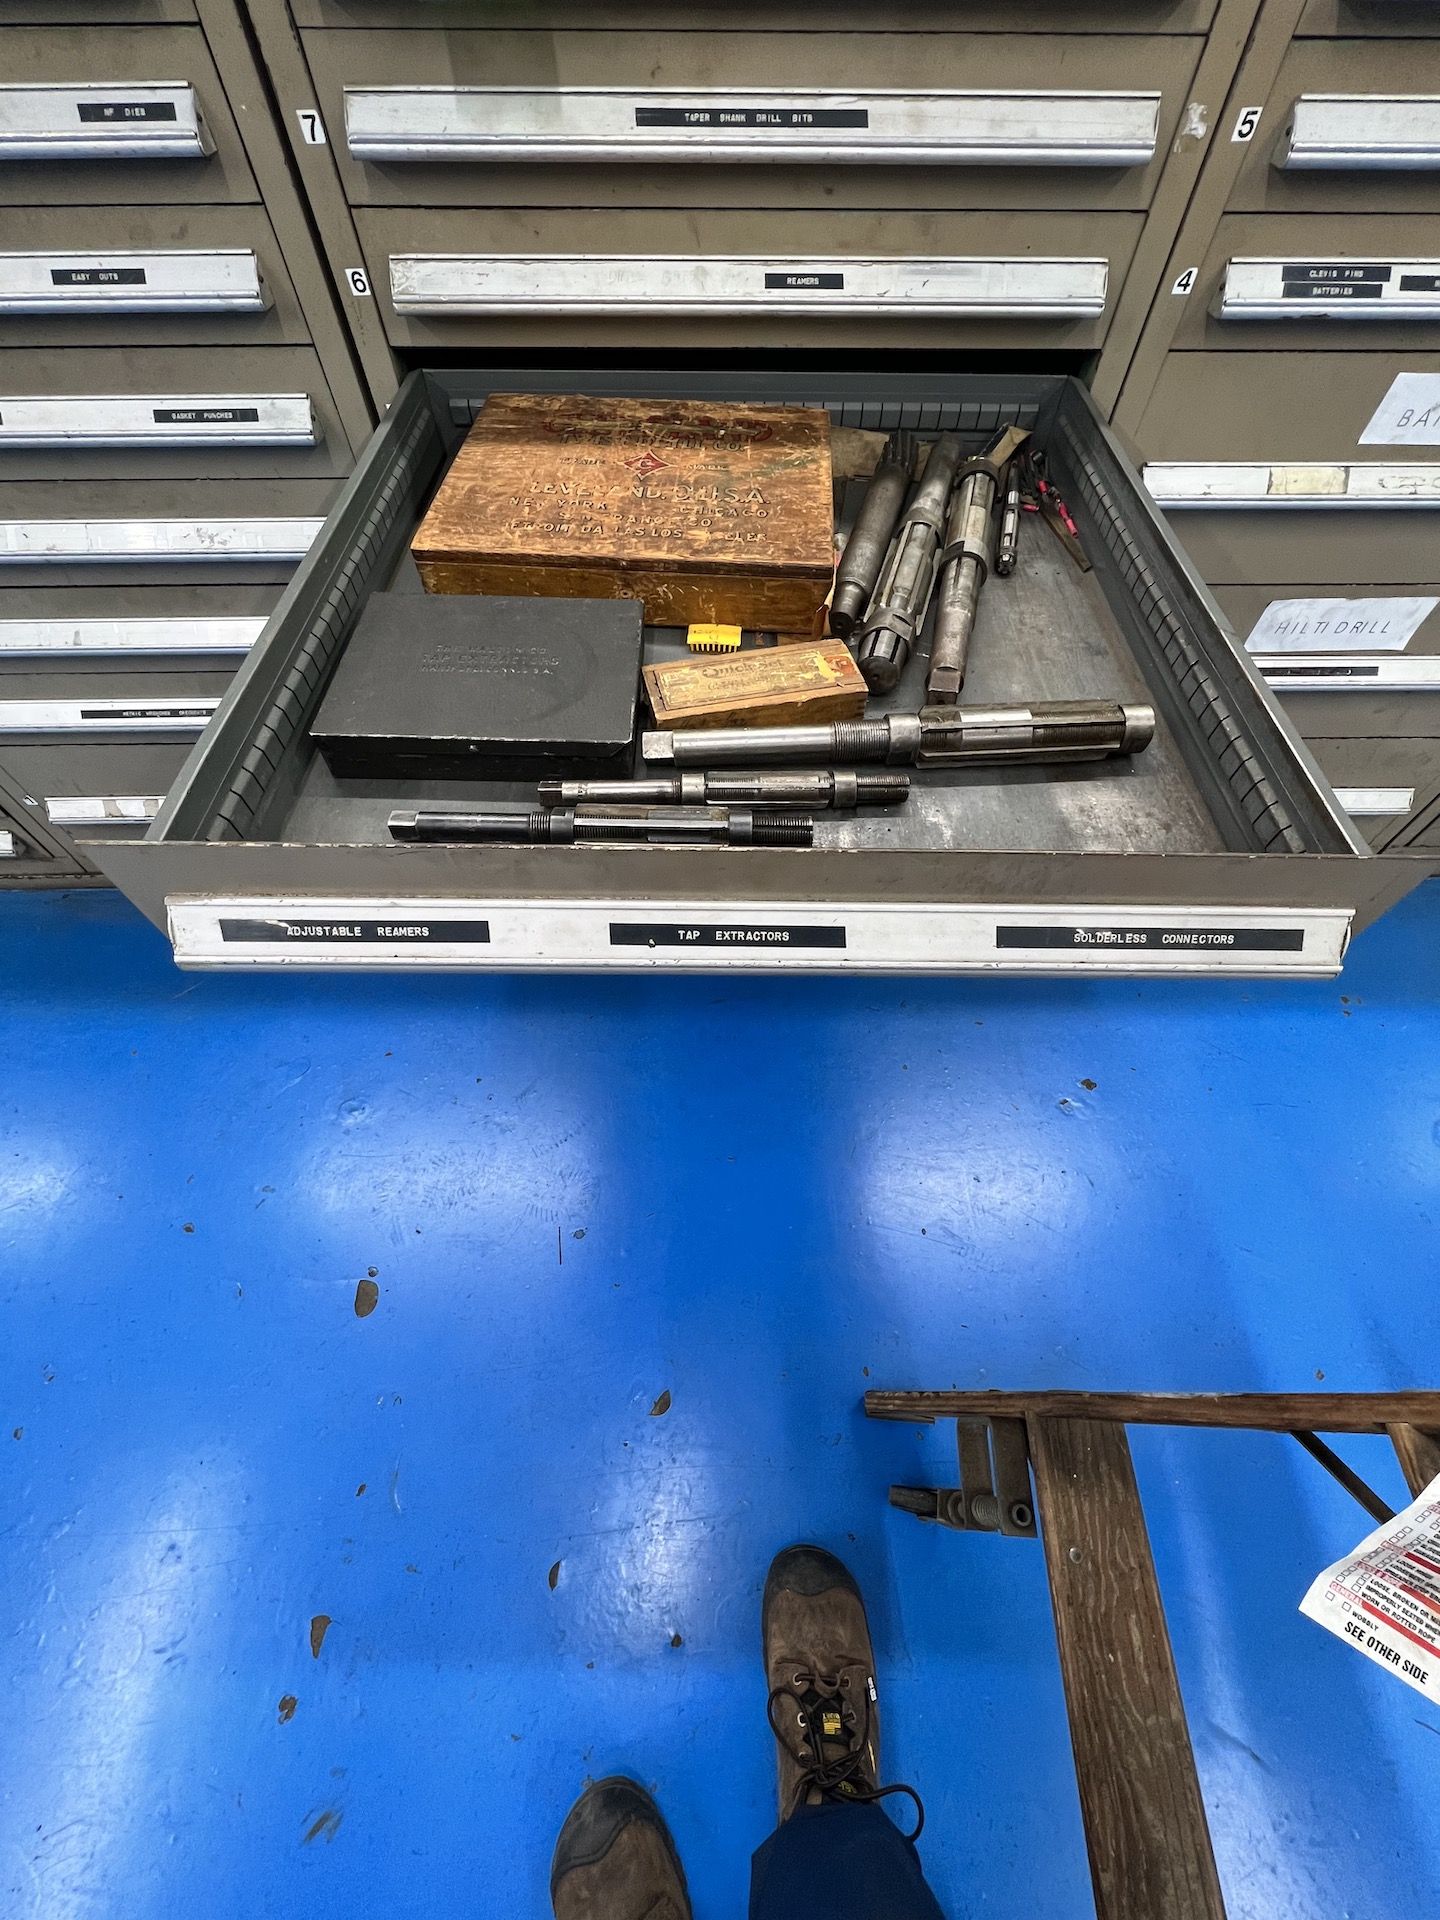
x=1186 y=281
x=312 y=127
x=1246 y=124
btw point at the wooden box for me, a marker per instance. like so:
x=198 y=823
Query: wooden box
x=703 y=511
x=768 y=687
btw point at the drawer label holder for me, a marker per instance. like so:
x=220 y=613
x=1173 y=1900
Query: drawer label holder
x=122 y=542
x=124 y=120
x=669 y=125
x=1388 y=290
x=106 y=112
x=660 y=933
x=1353 y=673
x=636 y=935
x=161 y=280
x=1023 y=287
x=187 y=717
x=354 y=929
x=1179 y=485
x=781 y=119
x=157 y=420
x=1172 y=938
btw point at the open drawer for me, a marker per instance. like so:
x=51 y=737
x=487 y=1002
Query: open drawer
x=1219 y=850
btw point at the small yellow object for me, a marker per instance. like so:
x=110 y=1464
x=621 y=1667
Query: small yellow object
x=830 y=1725
x=709 y=638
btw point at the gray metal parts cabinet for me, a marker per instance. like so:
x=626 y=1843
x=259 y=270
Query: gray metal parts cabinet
x=1285 y=392
x=178 y=402
x=705 y=178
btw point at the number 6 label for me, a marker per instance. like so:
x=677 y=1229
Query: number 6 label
x=1248 y=121
x=359 y=282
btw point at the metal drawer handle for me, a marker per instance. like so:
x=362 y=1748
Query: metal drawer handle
x=167 y=280
x=1007 y=128
x=1350 y=672
x=103 y=120
x=137 y=715
x=1368 y=131
x=1347 y=289
x=1023 y=287
x=157 y=420
x=1181 y=484
x=121 y=542
x=1370 y=803
x=126 y=639
x=102 y=809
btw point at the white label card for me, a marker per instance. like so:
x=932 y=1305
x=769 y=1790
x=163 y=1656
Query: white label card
x=1409 y=415
x=1384 y=1598
x=1340 y=626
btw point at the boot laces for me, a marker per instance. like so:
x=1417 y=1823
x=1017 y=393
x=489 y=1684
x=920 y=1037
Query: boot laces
x=823 y=1721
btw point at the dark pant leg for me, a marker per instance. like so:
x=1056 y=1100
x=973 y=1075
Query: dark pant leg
x=839 y=1861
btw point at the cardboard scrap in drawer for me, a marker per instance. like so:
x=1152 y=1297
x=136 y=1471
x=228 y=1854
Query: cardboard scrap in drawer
x=705 y=511
x=771 y=687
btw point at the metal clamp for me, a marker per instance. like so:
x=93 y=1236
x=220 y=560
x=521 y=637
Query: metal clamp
x=994 y=1495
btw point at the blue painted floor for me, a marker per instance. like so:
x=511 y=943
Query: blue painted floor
x=578 y=1202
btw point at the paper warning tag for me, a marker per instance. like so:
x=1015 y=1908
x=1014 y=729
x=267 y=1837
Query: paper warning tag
x=1384 y=1598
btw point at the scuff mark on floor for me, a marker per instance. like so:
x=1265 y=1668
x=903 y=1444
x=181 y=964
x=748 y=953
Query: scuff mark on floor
x=325 y=1827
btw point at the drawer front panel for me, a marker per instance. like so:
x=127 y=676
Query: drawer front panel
x=145 y=276
x=1352 y=126
x=1330 y=551
x=823 y=120
x=106 y=114
x=113 y=413
x=1378 y=782
x=1291 y=407
x=1317 y=281
x=88 y=773
x=169 y=280
x=1394 y=18
x=1041 y=17
x=859 y=278
x=82 y=533
x=445 y=285
x=1355 y=715
x=69 y=13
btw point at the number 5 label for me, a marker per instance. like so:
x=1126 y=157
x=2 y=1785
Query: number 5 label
x=1248 y=121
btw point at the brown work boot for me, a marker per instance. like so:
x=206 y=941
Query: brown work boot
x=821 y=1669
x=615 y=1859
